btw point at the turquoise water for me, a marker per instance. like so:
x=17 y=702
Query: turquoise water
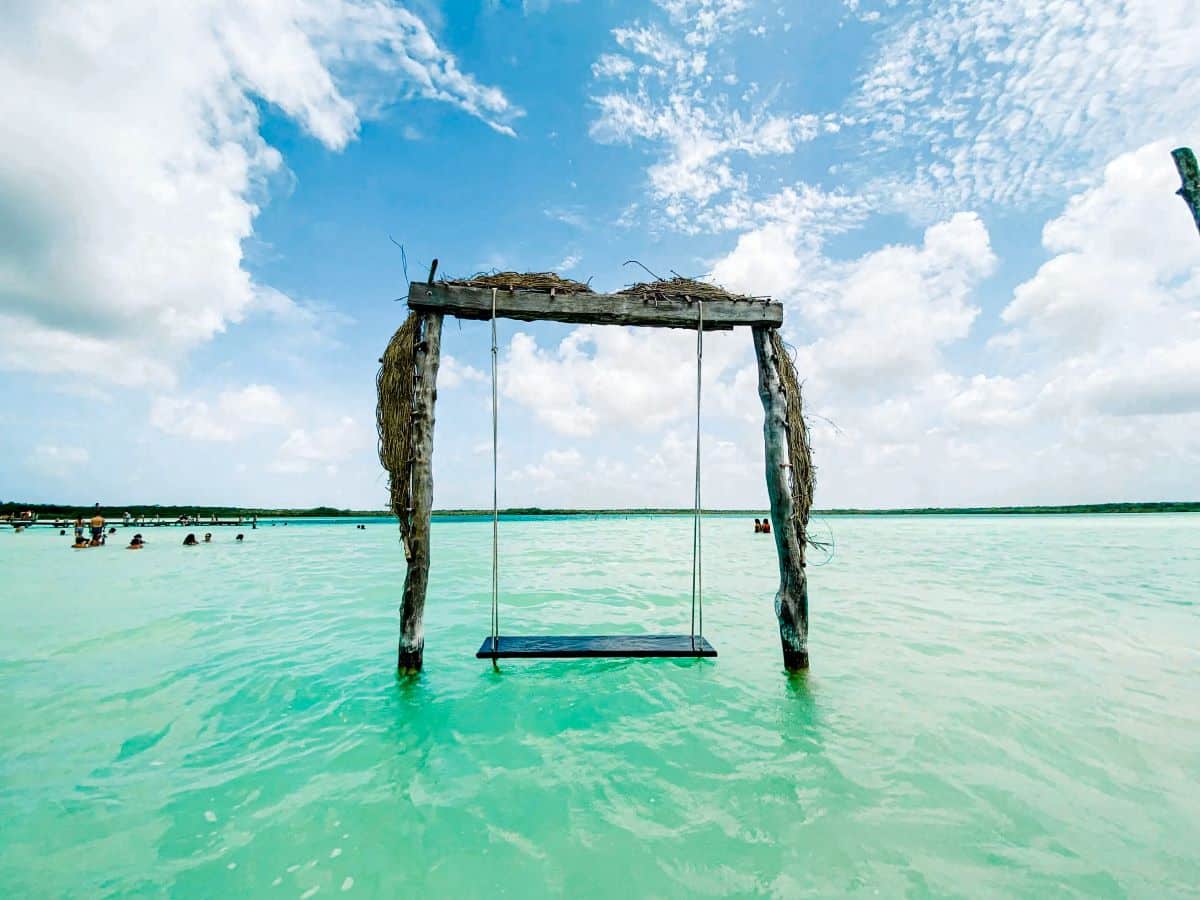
x=997 y=707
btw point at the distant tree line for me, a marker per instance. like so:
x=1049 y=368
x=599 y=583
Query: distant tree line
x=139 y=510
x=48 y=510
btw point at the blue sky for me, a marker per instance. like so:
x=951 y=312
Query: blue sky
x=967 y=209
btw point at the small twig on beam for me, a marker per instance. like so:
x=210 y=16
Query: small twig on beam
x=828 y=421
x=403 y=258
x=648 y=272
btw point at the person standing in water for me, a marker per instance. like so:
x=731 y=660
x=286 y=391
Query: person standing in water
x=97 y=524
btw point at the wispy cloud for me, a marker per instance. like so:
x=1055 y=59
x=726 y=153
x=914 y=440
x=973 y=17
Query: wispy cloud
x=1005 y=103
x=661 y=91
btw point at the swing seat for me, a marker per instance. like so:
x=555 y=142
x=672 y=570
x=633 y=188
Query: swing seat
x=595 y=646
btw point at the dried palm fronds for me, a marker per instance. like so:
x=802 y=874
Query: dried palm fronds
x=393 y=418
x=680 y=288
x=799 y=446
x=522 y=281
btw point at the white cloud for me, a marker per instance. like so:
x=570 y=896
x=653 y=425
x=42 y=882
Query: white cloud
x=884 y=315
x=58 y=461
x=1114 y=315
x=1005 y=102
x=1093 y=394
x=639 y=379
x=306 y=449
x=231 y=416
x=665 y=96
x=612 y=65
x=133 y=161
x=452 y=373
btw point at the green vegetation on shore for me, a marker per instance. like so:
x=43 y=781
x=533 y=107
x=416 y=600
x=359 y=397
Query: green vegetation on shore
x=53 y=510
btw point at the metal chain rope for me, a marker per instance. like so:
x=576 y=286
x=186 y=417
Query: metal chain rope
x=697 y=575
x=697 y=579
x=495 y=495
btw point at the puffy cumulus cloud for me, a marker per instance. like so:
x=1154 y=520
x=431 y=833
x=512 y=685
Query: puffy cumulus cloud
x=897 y=307
x=323 y=447
x=1002 y=102
x=452 y=372
x=1092 y=393
x=879 y=318
x=656 y=472
x=58 y=461
x=231 y=416
x=133 y=166
x=636 y=379
x=1114 y=315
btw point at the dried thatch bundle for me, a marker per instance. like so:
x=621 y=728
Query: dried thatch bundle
x=680 y=288
x=522 y=281
x=799 y=447
x=393 y=418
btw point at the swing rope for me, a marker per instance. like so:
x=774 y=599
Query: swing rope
x=495 y=503
x=697 y=580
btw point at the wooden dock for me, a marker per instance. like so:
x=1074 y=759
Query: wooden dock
x=134 y=522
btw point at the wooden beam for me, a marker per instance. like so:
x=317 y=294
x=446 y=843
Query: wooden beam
x=791 y=601
x=1189 y=174
x=592 y=309
x=416 y=579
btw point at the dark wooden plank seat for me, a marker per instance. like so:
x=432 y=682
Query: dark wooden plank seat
x=595 y=646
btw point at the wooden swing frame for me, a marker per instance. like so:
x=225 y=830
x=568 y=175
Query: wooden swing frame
x=430 y=301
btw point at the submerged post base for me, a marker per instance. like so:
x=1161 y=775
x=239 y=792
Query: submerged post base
x=795 y=660
x=410 y=659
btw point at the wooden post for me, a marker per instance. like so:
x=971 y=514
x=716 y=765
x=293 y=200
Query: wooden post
x=791 y=602
x=1189 y=173
x=416 y=579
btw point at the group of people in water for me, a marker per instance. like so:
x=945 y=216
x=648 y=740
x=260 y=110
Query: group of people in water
x=763 y=527
x=190 y=540
x=138 y=542
x=99 y=535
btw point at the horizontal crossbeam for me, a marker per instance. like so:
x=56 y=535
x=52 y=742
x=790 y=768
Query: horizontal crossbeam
x=591 y=309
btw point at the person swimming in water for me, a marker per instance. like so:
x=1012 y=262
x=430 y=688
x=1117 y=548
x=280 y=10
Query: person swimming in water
x=80 y=542
x=190 y=540
x=240 y=538
x=208 y=537
x=137 y=543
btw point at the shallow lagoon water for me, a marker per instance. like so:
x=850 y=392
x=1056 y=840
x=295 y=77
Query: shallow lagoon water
x=998 y=706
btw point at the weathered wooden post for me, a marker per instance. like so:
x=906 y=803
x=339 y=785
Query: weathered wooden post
x=412 y=605
x=1189 y=173
x=791 y=601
